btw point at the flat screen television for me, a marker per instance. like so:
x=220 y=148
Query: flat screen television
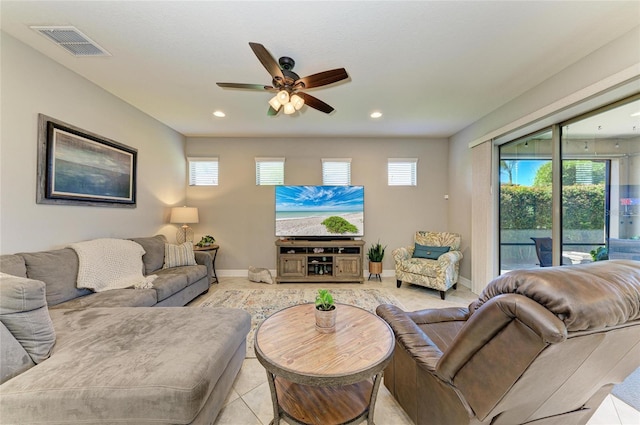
x=319 y=212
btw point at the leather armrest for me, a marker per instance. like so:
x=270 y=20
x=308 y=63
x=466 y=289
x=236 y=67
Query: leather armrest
x=436 y=315
x=410 y=336
x=489 y=320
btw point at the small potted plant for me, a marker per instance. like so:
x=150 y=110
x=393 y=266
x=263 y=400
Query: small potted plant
x=375 y=256
x=325 y=312
x=206 y=241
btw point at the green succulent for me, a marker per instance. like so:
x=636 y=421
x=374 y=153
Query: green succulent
x=324 y=300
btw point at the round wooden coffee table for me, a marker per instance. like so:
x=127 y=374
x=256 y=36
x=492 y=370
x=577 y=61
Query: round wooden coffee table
x=324 y=379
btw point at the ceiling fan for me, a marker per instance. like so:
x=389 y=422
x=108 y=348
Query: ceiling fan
x=288 y=85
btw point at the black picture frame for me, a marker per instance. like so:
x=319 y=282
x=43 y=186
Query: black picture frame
x=77 y=167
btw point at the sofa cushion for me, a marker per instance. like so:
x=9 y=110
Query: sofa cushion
x=153 y=258
x=128 y=297
x=170 y=281
x=23 y=310
x=430 y=252
x=129 y=365
x=15 y=358
x=59 y=270
x=13 y=264
x=420 y=266
x=178 y=255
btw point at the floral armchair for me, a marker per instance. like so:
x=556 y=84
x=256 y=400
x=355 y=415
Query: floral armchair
x=429 y=263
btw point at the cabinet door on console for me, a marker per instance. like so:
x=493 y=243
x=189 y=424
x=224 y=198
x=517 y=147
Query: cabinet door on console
x=292 y=266
x=348 y=266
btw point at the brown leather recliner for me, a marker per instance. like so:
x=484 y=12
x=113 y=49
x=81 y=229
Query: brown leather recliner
x=541 y=346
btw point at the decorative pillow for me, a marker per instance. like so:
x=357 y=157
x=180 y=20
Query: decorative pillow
x=178 y=255
x=23 y=311
x=430 y=252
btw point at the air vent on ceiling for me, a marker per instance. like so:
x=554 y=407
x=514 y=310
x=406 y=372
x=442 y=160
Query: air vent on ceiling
x=72 y=40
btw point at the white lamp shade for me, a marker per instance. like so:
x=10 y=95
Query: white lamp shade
x=283 y=97
x=184 y=215
x=275 y=103
x=289 y=108
x=297 y=101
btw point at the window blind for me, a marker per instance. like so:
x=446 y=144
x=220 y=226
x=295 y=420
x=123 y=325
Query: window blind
x=269 y=171
x=203 y=171
x=336 y=171
x=402 y=171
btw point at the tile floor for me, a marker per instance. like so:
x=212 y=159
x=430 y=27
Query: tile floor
x=249 y=402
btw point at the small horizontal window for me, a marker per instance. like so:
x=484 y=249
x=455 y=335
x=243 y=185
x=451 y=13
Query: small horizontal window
x=336 y=171
x=402 y=171
x=269 y=171
x=203 y=171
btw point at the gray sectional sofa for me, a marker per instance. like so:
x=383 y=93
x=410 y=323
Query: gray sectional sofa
x=69 y=355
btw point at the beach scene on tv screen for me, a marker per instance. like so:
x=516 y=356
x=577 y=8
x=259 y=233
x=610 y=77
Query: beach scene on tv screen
x=332 y=211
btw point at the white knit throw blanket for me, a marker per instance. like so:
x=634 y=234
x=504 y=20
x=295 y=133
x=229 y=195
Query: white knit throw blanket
x=111 y=264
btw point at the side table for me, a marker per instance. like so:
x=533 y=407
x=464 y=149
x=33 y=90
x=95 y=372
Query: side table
x=212 y=250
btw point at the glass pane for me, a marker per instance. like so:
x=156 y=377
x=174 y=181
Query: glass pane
x=525 y=201
x=601 y=186
x=269 y=173
x=402 y=173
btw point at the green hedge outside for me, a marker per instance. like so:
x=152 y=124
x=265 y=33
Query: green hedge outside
x=529 y=207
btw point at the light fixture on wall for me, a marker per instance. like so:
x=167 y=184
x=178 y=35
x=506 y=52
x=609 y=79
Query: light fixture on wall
x=184 y=215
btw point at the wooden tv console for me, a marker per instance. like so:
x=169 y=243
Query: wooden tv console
x=319 y=261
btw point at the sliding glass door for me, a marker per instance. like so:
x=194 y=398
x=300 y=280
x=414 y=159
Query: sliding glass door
x=525 y=200
x=601 y=185
x=599 y=205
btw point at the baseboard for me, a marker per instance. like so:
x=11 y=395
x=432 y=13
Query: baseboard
x=464 y=282
x=237 y=273
x=385 y=273
x=245 y=272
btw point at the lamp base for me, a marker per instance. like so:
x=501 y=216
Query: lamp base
x=184 y=234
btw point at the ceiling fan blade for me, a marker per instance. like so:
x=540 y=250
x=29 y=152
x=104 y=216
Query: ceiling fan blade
x=265 y=58
x=244 y=86
x=323 y=78
x=315 y=103
x=272 y=112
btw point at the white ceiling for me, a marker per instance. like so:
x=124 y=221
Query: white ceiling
x=432 y=68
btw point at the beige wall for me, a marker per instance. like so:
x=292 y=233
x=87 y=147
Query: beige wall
x=240 y=215
x=32 y=84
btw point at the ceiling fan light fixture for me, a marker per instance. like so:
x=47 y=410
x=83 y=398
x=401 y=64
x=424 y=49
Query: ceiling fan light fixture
x=289 y=108
x=275 y=103
x=297 y=101
x=283 y=97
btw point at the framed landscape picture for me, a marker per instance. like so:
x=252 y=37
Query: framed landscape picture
x=81 y=168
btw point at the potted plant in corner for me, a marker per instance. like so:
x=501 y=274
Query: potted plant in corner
x=325 y=312
x=375 y=256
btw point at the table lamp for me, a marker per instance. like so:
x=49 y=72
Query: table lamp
x=184 y=215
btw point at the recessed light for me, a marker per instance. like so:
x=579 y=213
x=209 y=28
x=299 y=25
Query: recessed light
x=219 y=114
x=376 y=114
x=637 y=114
